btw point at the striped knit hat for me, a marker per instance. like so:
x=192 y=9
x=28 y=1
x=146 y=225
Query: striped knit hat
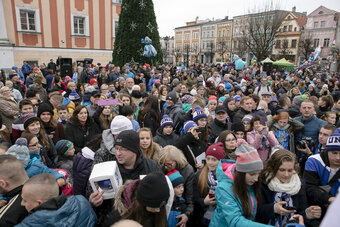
x=248 y=160
x=333 y=142
x=198 y=114
x=166 y=120
x=20 y=151
x=175 y=177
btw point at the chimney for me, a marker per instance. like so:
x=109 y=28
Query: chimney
x=294 y=9
x=305 y=13
x=226 y=17
x=196 y=19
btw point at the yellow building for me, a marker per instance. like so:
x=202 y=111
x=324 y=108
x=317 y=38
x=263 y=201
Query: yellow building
x=187 y=43
x=38 y=30
x=223 y=40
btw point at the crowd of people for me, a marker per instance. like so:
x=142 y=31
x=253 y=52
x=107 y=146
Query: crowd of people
x=217 y=147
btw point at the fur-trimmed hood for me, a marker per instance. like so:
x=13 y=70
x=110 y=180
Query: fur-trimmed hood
x=125 y=196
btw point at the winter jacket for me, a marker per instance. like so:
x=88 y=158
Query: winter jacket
x=175 y=112
x=256 y=139
x=79 y=134
x=62 y=211
x=265 y=212
x=281 y=91
x=66 y=163
x=81 y=170
x=188 y=174
x=217 y=127
x=150 y=121
x=295 y=126
x=311 y=129
x=48 y=155
x=229 y=209
x=260 y=89
x=164 y=140
x=13 y=213
x=36 y=166
x=319 y=187
x=9 y=111
x=239 y=115
x=191 y=147
x=178 y=207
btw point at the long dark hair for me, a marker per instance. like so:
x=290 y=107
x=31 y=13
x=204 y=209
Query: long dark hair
x=240 y=189
x=151 y=103
x=139 y=214
x=74 y=117
x=222 y=137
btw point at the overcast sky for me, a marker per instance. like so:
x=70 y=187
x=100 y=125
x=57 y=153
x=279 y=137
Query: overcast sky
x=174 y=13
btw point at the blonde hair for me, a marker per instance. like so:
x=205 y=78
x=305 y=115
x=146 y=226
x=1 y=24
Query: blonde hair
x=174 y=154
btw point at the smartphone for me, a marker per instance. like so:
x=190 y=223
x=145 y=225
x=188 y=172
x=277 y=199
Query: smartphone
x=211 y=195
x=289 y=207
x=200 y=129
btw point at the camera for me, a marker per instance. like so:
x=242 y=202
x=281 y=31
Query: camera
x=305 y=142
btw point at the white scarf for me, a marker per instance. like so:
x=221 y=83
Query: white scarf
x=291 y=188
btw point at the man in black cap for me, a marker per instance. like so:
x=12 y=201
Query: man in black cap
x=174 y=109
x=220 y=123
x=95 y=96
x=130 y=160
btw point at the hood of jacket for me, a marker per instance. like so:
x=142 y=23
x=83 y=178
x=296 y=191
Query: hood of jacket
x=52 y=204
x=225 y=170
x=108 y=141
x=124 y=197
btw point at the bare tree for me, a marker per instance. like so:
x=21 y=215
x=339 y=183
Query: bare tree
x=186 y=53
x=259 y=31
x=306 y=47
x=177 y=54
x=211 y=51
x=222 y=48
x=241 y=49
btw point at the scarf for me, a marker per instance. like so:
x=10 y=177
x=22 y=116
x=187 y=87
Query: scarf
x=283 y=128
x=212 y=182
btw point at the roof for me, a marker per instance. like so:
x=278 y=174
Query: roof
x=301 y=18
x=330 y=11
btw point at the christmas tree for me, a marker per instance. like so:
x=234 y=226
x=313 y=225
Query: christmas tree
x=136 y=21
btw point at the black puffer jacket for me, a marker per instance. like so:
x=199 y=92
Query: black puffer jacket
x=81 y=171
x=217 y=127
x=164 y=140
x=79 y=134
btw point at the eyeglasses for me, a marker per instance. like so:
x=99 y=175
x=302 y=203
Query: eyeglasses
x=169 y=165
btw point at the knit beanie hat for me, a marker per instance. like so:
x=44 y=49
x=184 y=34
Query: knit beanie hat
x=119 y=124
x=333 y=142
x=20 y=151
x=93 y=80
x=28 y=119
x=237 y=98
x=212 y=97
x=247 y=118
x=129 y=139
x=45 y=107
x=236 y=89
x=216 y=150
x=74 y=96
x=63 y=146
x=298 y=100
x=153 y=190
x=248 y=160
x=237 y=127
x=175 y=177
x=222 y=99
x=198 y=114
x=166 y=120
x=188 y=125
x=188 y=99
x=172 y=96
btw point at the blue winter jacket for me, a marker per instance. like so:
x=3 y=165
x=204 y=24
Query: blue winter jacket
x=81 y=172
x=229 y=209
x=62 y=211
x=36 y=166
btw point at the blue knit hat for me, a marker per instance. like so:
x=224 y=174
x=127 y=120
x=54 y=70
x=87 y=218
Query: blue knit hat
x=188 y=125
x=198 y=114
x=74 y=96
x=20 y=151
x=166 y=120
x=63 y=146
x=175 y=177
x=333 y=142
x=237 y=98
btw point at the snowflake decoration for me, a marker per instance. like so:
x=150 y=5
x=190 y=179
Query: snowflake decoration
x=124 y=7
x=150 y=27
x=133 y=26
x=141 y=51
x=142 y=4
x=118 y=50
x=132 y=62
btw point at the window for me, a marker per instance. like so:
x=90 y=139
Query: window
x=115 y=26
x=284 y=28
x=294 y=41
x=223 y=33
x=186 y=36
x=195 y=35
x=78 y=25
x=278 y=44
x=326 y=42
x=228 y=33
x=179 y=36
x=186 y=46
x=117 y=1
x=290 y=28
x=203 y=35
x=179 y=46
x=27 y=19
x=219 y=34
x=323 y=24
x=285 y=44
x=295 y=29
x=195 y=46
x=316 y=24
x=228 y=44
x=316 y=42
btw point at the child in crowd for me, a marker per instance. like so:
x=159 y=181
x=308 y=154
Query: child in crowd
x=178 y=205
x=63 y=114
x=212 y=104
x=165 y=134
x=26 y=107
x=65 y=151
